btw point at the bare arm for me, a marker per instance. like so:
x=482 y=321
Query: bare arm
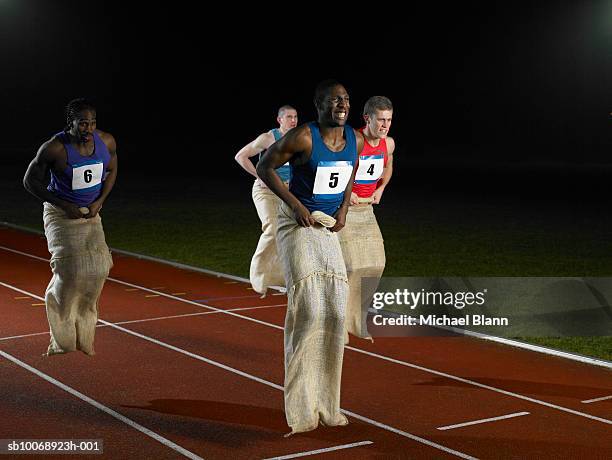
x=387 y=173
x=296 y=142
x=262 y=142
x=48 y=156
x=111 y=175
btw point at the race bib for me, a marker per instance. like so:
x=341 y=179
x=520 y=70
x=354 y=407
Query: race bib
x=370 y=169
x=332 y=178
x=87 y=176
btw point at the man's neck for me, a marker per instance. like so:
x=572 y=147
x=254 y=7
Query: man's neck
x=332 y=136
x=372 y=140
x=334 y=130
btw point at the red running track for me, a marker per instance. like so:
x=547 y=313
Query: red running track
x=191 y=364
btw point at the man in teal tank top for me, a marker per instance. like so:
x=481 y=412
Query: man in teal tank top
x=323 y=157
x=265 y=270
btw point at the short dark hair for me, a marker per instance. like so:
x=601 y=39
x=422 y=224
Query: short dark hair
x=377 y=103
x=323 y=89
x=75 y=106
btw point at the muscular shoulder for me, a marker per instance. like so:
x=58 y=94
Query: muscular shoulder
x=109 y=140
x=52 y=149
x=263 y=141
x=359 y=139
x=299 y=138
x=50 y=153
x=295 y=145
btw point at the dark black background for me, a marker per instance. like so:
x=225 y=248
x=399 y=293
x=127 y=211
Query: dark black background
x=486 y=87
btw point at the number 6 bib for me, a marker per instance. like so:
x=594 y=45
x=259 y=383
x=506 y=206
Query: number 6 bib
x=331 y=179
x=87 y=176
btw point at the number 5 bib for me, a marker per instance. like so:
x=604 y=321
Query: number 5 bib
x=331 y=179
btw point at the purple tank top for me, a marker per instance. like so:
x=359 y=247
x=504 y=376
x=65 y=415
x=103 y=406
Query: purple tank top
x=81 y=182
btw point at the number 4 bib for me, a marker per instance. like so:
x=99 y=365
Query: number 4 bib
x=331 y=179
x=370 y=169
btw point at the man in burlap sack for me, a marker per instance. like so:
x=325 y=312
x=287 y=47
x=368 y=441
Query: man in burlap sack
x=265 y=270
x=82 y=164
x=323 y=158
x=361 y=241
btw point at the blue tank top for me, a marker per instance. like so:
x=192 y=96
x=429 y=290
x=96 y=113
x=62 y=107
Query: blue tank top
x=81 y=181
x=283 y=171
x=320 y=183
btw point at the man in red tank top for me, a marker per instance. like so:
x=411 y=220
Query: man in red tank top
x=375 y=172
x=361 y=241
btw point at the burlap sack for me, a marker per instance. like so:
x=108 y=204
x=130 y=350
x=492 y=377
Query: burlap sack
x=364 y=255
x=265 y=270
x=314 y=326
x=80 y=262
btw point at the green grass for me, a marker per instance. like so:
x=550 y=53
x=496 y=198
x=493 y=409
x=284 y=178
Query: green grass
x=219 y=229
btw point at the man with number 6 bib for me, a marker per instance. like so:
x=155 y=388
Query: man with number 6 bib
x=361 y=241
x=323 y=158
x=82 y=164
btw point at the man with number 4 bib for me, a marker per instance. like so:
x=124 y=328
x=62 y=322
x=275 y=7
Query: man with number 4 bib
x=82 y=164
x=361 y=241
x=323 y=158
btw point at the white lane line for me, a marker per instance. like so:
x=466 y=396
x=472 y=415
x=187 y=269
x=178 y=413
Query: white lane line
x=197 y=304
x=531 y=347
x=201 y=313
x=32 y=256
x=484 y=420
x=191 y=355
x=103 y=408
x=13 y=337
x=321 y=451
x=162 y=294
x=375 y=355
x=158 y=318
x=281 y=289
x=136 y=255
x=265 y=382
x=589 y=401
x=486 y=387
x=279 y=387
x=407 y=435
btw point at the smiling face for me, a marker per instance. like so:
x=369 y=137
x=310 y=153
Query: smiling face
x=334 y=107
x=83 y=125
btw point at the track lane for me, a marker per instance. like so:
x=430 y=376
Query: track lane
x=275 y=316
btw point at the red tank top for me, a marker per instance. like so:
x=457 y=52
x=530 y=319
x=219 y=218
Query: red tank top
x=372 y=161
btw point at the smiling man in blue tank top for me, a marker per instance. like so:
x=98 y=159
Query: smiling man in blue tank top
x=323 y=158
x=82 y=164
